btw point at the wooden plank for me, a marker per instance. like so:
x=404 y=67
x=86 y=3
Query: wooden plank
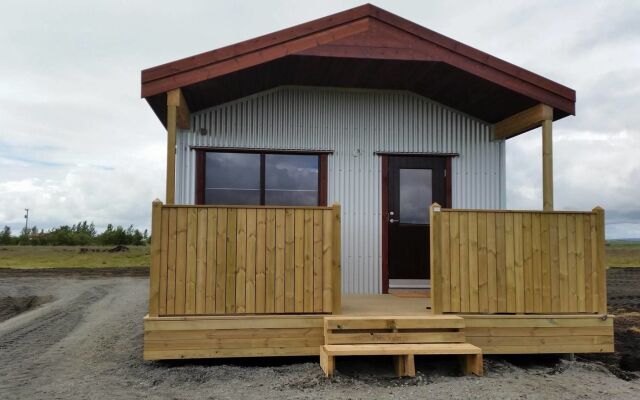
x=510 y=263
x=261 y=260
x=602 y=266
x=572 y=276
x=308 y=261
x=394 y=337
x=454 y=240
x=492 y=278
x=549 y=340
x=527 y=247
x=336 y=261
x=231 y=353
x=171 y=261
x=289 y=260
x=156 y=247
x=501 y=263
x=589 y=306
x=232 y=232
x=445 y=262
x=545 y=322
x=164 y=257
x=363 y=322
x=526 y=120
x=317 y=261
x=233 y=343
x=548 y=349
x=253 y=333
x=298 y=273
x=181 y=261
x=540 y=331
x=212 y=230
x=327 y=261
x=221 y=261
x=280 y=261
x=547 y=164
x=518 y=252
x=270 y=265
x=192 y=257
x=554 y=251
x=244 y=321
x=435 y=258
x=536 y=262
x=201 y=261
x=563 y=281
x=241 y=261
x=483 y=267
x=250 y=278
x=473 y=262
x=595 y=281
x=580 y=268
x=545 y=262
x=399 y=349
x=464 y=262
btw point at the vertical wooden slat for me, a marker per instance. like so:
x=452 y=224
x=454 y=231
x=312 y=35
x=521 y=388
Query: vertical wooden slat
x=327 y=260
x=473 y=262
x=510 y=262
x=595 y=281
x=483 y=298
x=464 y=261
x=580 y=267
x=289 y=260
x=250 y=277
x=317 y=261
x=589 y=306
x=602 y=266
x=181 y=261
x=156 y=246
x=454 y=235
x=492 y=277
x=261 y=261
x=280 y=261
x=210 y=291
x=336 y=247
x=554 y=252
x=192 y=233
x=435 y=258
x=571 y=263
x=501 y=263
x=171 y=261
x=519 y=261
x=445 y=263
x=527 y=249
x=563 y=263
x=270 y=270
x=545 y=260
x=221 y=261
x=232 y=227
x=201 y=261
x=164 y=257
x=308 y=261
x=241 y=260
x=536 y=246
x=298 y=274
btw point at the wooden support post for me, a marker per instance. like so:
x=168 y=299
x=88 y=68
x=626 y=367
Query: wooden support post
x=601 y=262
x=435 y=261
x=337 y=268
x=327 y=362
x=472 y=364
x=547 y=165
x=177 y=117
x=154 y=271
x=404 y=365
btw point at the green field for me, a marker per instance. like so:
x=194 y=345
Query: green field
x=25 y=257
x=619 y=254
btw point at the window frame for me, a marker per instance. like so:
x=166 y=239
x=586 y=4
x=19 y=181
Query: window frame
x=201 y=166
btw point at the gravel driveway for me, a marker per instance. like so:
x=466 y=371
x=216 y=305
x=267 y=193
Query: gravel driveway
x=86 y=342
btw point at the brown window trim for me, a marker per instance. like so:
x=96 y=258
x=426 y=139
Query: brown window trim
x=322 y=173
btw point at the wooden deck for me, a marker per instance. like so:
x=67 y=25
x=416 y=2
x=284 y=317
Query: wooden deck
x=255 y=335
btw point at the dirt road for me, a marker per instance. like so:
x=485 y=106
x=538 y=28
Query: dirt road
x=86 y=342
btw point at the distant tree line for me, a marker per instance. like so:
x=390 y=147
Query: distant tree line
x=82 y=233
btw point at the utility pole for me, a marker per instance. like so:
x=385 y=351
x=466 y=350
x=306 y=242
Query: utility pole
x=26 y=221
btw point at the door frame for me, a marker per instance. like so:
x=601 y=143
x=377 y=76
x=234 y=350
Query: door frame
x=385 y=202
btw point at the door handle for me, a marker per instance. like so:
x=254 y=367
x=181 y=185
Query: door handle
x=393 y=221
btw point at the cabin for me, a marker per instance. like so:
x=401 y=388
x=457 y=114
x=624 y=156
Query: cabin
x=337 y=188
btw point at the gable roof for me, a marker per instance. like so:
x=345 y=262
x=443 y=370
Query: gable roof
x=364 y=47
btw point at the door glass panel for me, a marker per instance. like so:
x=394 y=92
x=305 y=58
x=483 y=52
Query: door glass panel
x=232 y=178
x=415 y=195
x=291 y=179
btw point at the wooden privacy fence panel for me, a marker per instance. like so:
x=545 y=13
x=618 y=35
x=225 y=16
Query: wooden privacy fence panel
x=517 y=262
x=210 y=260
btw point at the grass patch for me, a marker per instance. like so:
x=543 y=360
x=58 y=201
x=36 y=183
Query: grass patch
x=622 y=253
x=28 y=257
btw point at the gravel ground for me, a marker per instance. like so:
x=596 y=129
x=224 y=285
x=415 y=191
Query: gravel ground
x=86 y=342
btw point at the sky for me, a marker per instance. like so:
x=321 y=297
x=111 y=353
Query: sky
x=78 y=143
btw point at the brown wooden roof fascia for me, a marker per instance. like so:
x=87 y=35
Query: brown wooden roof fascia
x=306 y=37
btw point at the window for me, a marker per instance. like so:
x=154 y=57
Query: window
x=258 y=178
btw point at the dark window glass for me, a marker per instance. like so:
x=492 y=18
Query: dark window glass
x=291 y=179
x=415 y=196
x=232 y=178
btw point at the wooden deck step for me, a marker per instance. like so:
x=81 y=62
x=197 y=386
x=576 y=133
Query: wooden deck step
x=404 y=361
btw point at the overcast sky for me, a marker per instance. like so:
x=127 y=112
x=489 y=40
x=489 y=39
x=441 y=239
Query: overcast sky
x=77 y=142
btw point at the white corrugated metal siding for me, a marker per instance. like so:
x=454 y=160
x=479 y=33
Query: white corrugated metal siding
x=354 y=124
